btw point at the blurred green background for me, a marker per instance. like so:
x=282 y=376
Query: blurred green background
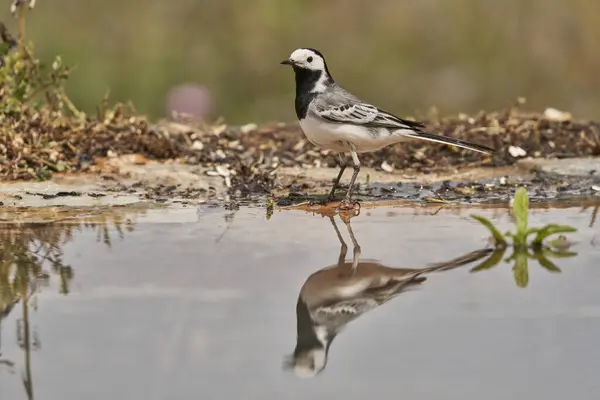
x=404 y=55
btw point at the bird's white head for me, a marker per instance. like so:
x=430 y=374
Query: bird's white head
x=307 y=58
x=308 y=364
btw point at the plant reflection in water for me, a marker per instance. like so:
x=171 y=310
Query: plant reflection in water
x=31 y=255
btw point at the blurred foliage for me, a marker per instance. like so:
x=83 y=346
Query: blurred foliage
x=460 y=55
x=27 y=82
x=41 y=130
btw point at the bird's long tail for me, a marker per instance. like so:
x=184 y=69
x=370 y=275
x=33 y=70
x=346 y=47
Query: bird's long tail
x=458 y=261
x=409 y=281
x=451 y=141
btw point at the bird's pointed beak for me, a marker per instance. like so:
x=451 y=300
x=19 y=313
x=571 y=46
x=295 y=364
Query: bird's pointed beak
x=287 y=62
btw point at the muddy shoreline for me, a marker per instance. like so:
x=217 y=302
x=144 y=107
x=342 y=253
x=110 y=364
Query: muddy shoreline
x=126 y=160
x=157 y=184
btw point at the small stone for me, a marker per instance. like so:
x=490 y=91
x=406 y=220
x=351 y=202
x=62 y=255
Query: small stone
x=220 y=154
x=596 y=188
x=503 y=181
x=561 y=243
x=217 y=130
x=111 y=154
x=555 y=115
x=178 y=128
x=517 y=151
x=300 y=145
x=419 y=155
x=248 y=128
x=464 y=190
x=197 y=145
x=224 y=172
x=387 y=167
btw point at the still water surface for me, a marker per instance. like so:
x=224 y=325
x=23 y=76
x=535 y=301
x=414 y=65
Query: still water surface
x=187 y=304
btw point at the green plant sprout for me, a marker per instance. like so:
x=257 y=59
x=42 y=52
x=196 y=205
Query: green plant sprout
x=269 y=206
x=523 y=250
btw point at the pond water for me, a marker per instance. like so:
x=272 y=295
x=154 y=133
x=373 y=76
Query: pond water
x=186 y=303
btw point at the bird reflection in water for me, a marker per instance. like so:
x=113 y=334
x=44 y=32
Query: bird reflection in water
x=338 y=294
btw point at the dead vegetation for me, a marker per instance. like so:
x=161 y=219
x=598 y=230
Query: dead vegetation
x=42 y=133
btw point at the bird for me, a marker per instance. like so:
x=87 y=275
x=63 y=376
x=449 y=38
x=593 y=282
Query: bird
x=336 y=295
x=333 y=118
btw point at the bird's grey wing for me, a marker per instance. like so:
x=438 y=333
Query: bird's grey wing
x=339 y=106
x=339 y=313
x=349 y=110
x=342 y=312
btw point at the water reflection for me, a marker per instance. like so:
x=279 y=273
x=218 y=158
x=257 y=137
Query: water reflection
x=594 y=215
x=31 y=256
x=520 y=257
x=338 y=294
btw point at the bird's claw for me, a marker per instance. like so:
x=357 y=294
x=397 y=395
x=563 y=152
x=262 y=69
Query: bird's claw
x=346 y=204
x=352 y=209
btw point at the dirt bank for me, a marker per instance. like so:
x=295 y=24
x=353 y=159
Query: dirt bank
x=123 y=158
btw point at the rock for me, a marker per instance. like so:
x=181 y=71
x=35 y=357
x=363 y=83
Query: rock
x=553 y=114
x=248 y=128
x=387 y=167
x=517 y=151
x=197 y=145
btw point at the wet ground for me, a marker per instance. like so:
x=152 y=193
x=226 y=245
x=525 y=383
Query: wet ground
x=187 y=302
x=553 y=181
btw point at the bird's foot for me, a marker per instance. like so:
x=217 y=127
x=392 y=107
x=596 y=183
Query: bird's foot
x=348 y=204
x=349 y=208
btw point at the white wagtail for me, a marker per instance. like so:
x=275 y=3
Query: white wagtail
x=336 y=295
x=335 y=119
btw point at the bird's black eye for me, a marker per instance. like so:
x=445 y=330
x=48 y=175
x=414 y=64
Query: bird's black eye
x=309 y=59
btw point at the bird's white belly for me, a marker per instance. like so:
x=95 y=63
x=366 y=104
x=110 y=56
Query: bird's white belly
x=336 y=137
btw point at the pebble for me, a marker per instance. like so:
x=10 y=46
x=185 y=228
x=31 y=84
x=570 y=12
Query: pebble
x=517 y=151
x=224 y=172
x=556 y=115
x=387 y=167
x=248 y=128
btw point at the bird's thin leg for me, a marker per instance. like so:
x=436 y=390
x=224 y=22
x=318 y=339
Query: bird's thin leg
x=356 y=167
x=356 y=250
x=344 y=248
x=343 y=163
